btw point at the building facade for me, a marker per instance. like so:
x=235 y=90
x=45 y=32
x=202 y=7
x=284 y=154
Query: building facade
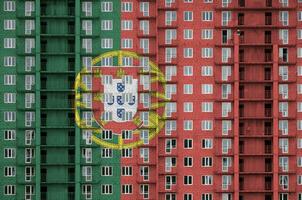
x=232 y=89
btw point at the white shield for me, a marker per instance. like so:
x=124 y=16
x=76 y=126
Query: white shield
x=120 y=99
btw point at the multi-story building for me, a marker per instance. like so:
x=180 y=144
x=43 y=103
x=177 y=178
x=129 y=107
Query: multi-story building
x=232 y=82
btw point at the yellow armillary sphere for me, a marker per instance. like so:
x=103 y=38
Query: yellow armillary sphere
x=107 y=98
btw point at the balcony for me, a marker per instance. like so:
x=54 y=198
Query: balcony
x=268 y=147
x=268 y=111
x=49 y=105
x=268 y=128
x=268 y=183
x=268 y=165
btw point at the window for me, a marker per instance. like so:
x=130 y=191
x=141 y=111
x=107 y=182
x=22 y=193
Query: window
x=9 y=153
x=29 y=118
x=299 y=162
x=188 y=161
x=87 y=191
x=9 y=171
x=126 y=153
x=29 y=63
x=144 y=190
x=127 y=135
x=206 y=161
x=144 y=26
x=106 y=6
x=9 y=98
x=9 y=24
x=188 y=196
x=170 y=72
x=127 y=43
x=106 y=153
x=207 y=89
x=87 y=45
x=107 y=135
x=207 y=34
x=9 y=61
x=170 y=34
x=299 y=34
x=106 y=171
x=226 y=126
x=207 y=106
x=127 y=6
x=188 y=180
x=207 y=16
x=29 y=26
x=188 y=106
x=170 y=126
x=29 y=45
x=126 y=171
x=283 y=35
x=106 y=189
x=170 y=53
x=188 y=70
x=226 y=145
x=9 y=6
x=144 y=8
x=284 y=181
x=9 y=43
x=29 y=8
x=299 y=106
x=283 y=17
x=87 y=26
x=226 y=181
x=144 y=172
x=206 y=125
x=107 y=43
x=188 y=52
x=188 y=89
x=207 y=180
x=207 y=52
x=225 y=17
x=144 y=136
x=283 y=163
x=127 y=61
x=188 y=143
x=29 y=154
x=126 y=25
x=188 y=34
x=126 y=189
x=206 y=71
x=9 y=190
x=87 y=8
x=188 y=125
x=226 y=163
x=208 y=196
x=170 y=16
x=299 y=70
x=225 y=54
x=207 y=143
x=106 y=25
x=299 y=88
x=299 y=18
x=188 y=16
x=9 y=134
x=299 y=179
x=144 y=154
x=299 y=52
x=9 y=116
x=226 y=71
